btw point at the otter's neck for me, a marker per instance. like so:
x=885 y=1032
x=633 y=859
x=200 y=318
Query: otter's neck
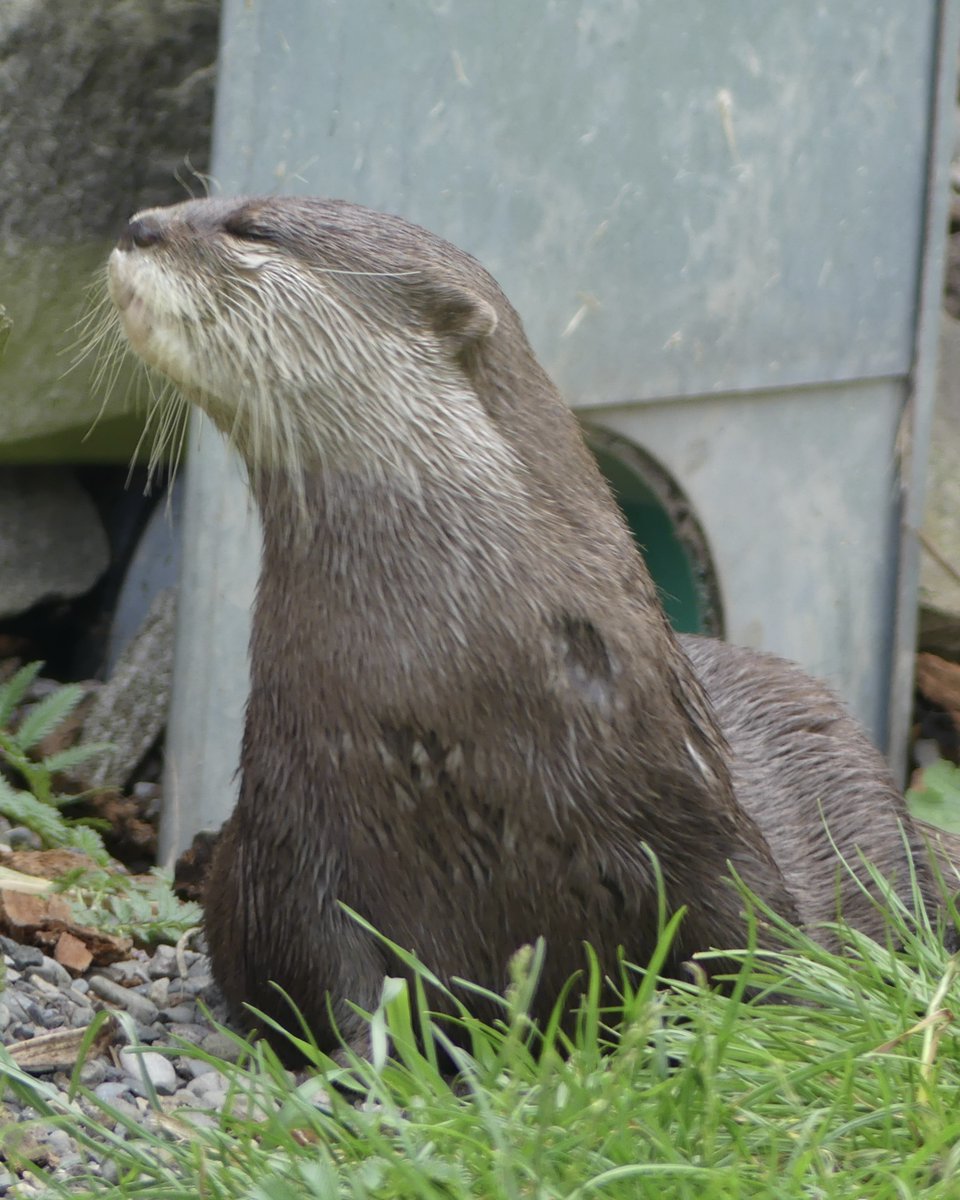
x=353 y=553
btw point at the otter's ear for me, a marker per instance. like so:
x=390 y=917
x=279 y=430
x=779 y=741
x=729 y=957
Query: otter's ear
x=458 y=314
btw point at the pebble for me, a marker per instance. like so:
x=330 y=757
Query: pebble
x=159 y=991
x=190 y=1068
x=222 y=1046
x=139 y=1006
x=111 y=1091
x=109 y=1171
x=180 y=1014
x=59 y=1141
x=198 y=983
x=164 y=965
x=21 y=956
x=22 y=838
x=50 y=970
x=149 y=1066
x=203 y=1085
x=131 y=972
x=194 y=1034
x=40 y=997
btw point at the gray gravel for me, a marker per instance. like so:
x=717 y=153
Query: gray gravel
x=159 y=994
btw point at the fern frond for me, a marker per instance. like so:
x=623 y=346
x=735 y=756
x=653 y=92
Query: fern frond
x=14 y=690
x=47 y=714
x=65 y=760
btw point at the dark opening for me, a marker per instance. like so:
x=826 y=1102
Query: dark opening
x=666 y=529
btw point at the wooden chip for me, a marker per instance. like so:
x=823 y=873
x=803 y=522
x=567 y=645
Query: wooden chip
x=47 y=864
x=73 y=953
x=939 y=681
x=59 y=1050
x=105 y=947
x=42 y=920
x=16 y=881
x=24 y=916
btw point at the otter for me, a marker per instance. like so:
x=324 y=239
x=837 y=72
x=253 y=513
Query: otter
x=468 y=718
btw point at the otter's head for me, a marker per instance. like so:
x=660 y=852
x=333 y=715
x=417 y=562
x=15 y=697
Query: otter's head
x=311 y=331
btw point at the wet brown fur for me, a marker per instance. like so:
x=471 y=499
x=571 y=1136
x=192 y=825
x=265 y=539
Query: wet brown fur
x=468 y=714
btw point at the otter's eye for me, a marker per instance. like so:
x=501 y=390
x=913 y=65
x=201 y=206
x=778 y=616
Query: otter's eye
x=248 y=229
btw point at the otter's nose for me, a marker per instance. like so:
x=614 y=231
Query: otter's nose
x=140 y=232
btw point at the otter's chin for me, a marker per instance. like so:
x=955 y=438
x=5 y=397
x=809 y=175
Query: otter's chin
x=155 y=340
x=136 y=318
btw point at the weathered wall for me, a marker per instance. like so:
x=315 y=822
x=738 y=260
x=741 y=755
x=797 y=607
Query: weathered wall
x=103 y=104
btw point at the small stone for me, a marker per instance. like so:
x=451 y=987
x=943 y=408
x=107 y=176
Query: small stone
x=109 y=1171
x=29 y=1145
x=198 y=983
x=139 y=1007
x=111 y=1091
x=193 y=1033
x=93 y=1072
x=4 y=1017
x=50 y=970
x=80 y=1017
x=163 y=964
x=183 y=1014
x=72 y=1165
x=219 y=1045
x=203 y=1085
x=148 y=1034
x=22 y=838
x=51 y=1018
x=60 y=1142
x=80 y=985
x=21 y=956
x=159 y=991
x=250 y=1108
x=30 y=1185
x=75 y=1001
x=20 y=1005
x=129 y=971
x=199 y=1120
x=192 y=1068
x=156 y=1067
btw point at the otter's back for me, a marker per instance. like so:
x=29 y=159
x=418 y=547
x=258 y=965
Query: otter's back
x=807 y=774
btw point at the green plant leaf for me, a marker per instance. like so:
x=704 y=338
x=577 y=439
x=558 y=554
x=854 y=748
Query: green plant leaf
x=937 y=801
x=46 y=821
x=73 y=756
x=142 y=907
x=47 y=714
x=13 y=691
x=23 y=808
x=84 y=837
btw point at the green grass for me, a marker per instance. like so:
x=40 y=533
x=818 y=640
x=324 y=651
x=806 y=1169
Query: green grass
x=847 y=1086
